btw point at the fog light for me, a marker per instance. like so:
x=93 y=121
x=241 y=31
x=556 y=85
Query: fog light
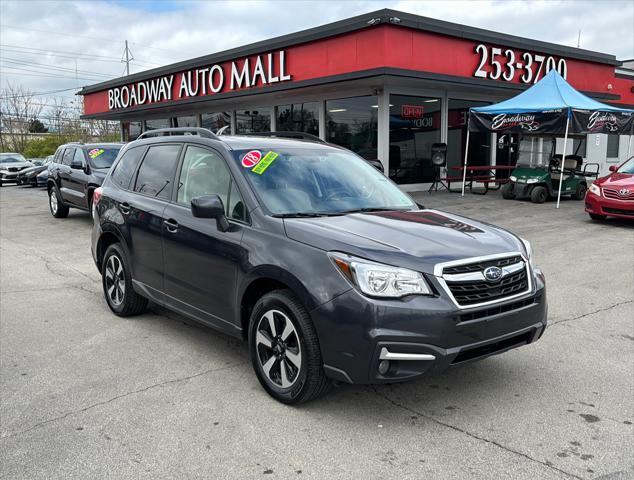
x=384 y=366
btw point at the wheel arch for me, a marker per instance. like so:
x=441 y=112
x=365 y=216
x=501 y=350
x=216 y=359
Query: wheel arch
x=108 y=237
x=90 y=189
x=262 y=281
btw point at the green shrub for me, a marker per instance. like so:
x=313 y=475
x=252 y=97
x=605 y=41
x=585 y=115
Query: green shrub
x=42 y=147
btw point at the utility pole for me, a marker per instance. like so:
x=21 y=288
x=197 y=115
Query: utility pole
x=128 y=57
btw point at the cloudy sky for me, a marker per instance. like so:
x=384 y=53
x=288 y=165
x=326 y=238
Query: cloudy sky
x=49 y=46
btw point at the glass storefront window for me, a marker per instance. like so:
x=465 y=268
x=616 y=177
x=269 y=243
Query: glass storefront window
x=188 y=121
x=352 y=123
x=157 y=123
x=216 y=121
x=479 y=142
x=131 y=131
x=298 y=117
x=254 y=120
x=414 y=127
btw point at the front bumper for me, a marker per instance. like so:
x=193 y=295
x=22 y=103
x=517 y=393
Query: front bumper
x=523 y=190
x=9 y=177
x=609 y=207
x=357 y=333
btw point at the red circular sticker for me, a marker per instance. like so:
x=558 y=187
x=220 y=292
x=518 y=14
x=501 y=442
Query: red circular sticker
x=251 y=159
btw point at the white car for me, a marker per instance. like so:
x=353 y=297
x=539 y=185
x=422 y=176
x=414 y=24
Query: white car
x=10 y=165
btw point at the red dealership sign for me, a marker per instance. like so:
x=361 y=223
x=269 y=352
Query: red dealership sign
x=382 y=46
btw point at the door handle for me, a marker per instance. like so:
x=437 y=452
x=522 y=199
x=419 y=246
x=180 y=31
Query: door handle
x=125 y=208
x=171 y=225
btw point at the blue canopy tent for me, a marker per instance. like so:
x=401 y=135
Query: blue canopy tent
x=550 y=107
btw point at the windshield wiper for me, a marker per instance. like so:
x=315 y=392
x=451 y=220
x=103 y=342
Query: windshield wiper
x=370 y=209
x=300 y=215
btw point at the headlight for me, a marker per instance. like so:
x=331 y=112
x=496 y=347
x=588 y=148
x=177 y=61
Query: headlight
x=532 y=180
x=528 y=249
x=594 y=188
x=378 y=280
x=513 y=178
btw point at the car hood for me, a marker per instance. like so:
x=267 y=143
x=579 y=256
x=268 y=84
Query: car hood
x=415 y=239
x=33 y=170
x=15 y=164
x=617 y=180
x=528 y=172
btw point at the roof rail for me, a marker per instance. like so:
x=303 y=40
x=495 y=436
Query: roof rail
x=297 y=135
x=160 y=132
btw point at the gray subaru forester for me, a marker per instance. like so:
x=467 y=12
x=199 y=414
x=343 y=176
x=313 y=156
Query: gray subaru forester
x=302 y=248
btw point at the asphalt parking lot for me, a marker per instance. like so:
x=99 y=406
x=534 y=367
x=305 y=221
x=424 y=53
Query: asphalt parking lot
x=86 y=394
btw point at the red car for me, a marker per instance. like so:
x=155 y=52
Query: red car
x=613 y=195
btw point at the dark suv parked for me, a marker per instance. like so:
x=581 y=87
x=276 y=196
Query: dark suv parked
x=320 y=261
x=75 y=172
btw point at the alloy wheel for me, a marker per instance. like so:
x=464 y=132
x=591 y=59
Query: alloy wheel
x=115 y=280
x=278 y=348
x=53 y=200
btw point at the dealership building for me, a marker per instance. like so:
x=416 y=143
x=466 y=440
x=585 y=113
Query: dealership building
x=386 y=85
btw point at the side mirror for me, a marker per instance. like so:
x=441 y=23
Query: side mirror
x=77 y=165
x=613 y=168
x=210 y=206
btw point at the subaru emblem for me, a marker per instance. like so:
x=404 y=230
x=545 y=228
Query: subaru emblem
x=492 y=274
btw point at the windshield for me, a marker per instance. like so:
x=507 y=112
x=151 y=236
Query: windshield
x=102 y=157
x=11 y=158
x=627 y=167
x=318 y=181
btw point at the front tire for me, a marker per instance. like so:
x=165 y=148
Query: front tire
x=285 y=349
x=117 y=284
x=507 y=191
x=58 y=209
x=539 y=194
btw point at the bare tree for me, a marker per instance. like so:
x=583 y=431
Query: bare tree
x=18 y=106
x=57 y=112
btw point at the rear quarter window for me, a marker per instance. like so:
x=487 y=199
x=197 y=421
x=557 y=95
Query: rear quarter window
x=125 y=168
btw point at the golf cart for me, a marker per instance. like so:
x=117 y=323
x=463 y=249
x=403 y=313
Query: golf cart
x=540 y=182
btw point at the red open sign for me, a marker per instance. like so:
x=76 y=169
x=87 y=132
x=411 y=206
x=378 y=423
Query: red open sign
x=412 y=111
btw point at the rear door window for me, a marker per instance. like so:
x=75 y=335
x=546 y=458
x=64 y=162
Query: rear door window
x=58 y=155
x=126 y=167
x=69 y=153
x=156 y=173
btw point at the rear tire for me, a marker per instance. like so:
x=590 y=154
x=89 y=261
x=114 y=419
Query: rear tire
x=117 y=284
x=507 y=191
x=58 y=209
x=90 y=207
x=539 y=194
x=597 y=217
x=285 y=349
x=580 y=192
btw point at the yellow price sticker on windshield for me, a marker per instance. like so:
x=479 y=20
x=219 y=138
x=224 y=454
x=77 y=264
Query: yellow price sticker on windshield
x=263 y=164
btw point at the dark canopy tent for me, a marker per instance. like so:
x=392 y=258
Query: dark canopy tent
x=550 y=107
